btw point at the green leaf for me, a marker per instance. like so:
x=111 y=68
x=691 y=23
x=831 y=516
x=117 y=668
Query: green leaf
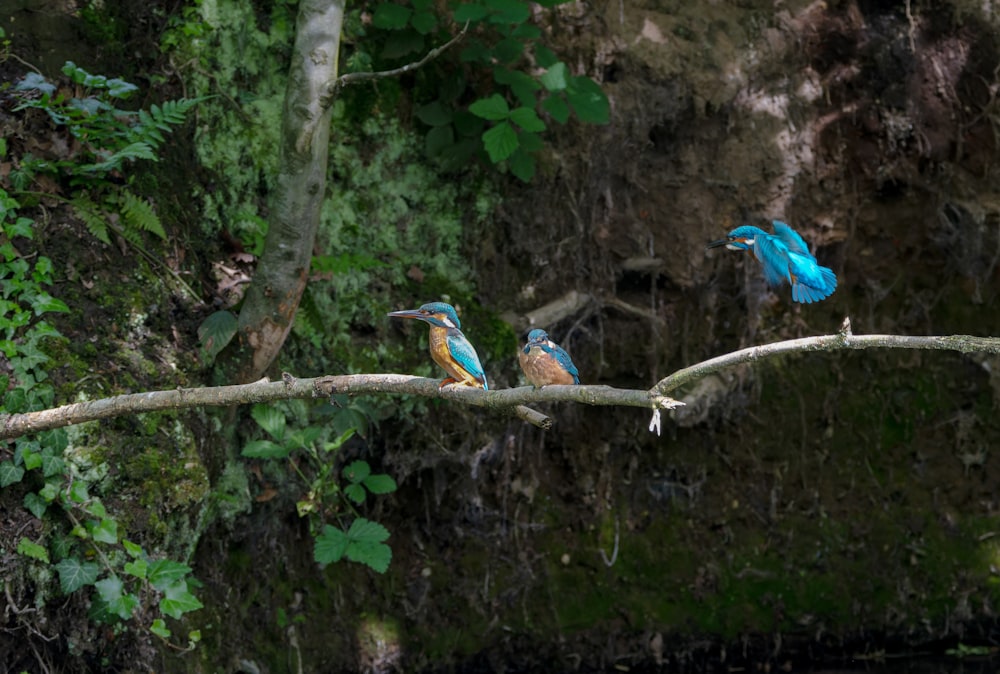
x=476 y=51
x=363 y=530
x=500 y=142
x=435 y=114
x=265 y=449
x=134 y=550
x=34 y=550
x=522 y=165
x=159 y=628
x=331 y=544
x=164 y=572
x=73 y=575
x=112 y=591
x=137 y=568
x=78 y=491
x=357 y=471
x=35 y=504
x=527 y=119
x=305 y=437
x=493 y=108
x=530 y=142
x=270 y=419
x=9 y=473
x=178 y=600
x=216 y=332
x=32 y=460
x=470 y=12
x=555 y=78
x=528 y=31
x=424 y=22
x=106 y=531
x=557 y=107
x=380 y=484
x=438 y=139
x=403 y=42
x=523 y=85
x=391 y=17
x=356 y=493
x=469 y=125
x=509 y=11
x=544 y=56
x=52 y=465
x=508 y=50
x=588 y=100
x=375 y=555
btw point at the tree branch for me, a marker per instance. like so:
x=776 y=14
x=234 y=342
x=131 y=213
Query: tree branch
x=504 y=400
x=351 y=78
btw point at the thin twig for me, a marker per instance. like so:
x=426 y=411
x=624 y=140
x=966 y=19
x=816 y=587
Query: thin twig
x=351 y=78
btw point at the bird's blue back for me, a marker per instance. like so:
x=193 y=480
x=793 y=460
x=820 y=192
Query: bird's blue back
x=786 y=257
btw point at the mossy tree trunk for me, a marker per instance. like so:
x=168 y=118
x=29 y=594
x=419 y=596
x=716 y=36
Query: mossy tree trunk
x=273 y=298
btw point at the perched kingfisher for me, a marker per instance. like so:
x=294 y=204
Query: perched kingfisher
x=545 y=362
x=785 y=257
x=449 y=347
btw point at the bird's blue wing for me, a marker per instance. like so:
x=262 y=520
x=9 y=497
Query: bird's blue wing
x=464 y=353
x=773 y=254
x=564 y=360
x=791 y=238
x=812 y=283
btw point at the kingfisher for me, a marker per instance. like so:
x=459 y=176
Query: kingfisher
x=449 y=346
x=785 y=257
x=545 y=362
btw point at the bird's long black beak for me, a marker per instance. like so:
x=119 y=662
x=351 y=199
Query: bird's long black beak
x=408 y=313
x=717 y=244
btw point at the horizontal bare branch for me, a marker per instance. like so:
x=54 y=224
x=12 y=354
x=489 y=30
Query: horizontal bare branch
x=504 y=400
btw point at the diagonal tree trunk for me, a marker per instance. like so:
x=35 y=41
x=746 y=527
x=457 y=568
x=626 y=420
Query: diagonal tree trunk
x=273 y=298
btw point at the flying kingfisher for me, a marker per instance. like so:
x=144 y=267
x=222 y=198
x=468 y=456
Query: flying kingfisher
x=545 y=362
x=785 y=257
x=449 y=347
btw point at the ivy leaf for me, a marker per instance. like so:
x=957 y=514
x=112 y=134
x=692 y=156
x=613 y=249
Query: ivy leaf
x=555 y=78
x=164 y=572
x=34 y=550
x=35 y=504
x=493 y=108
x=9 y=473
x=159 y=628
x=588 y=100
x=134 y=550
x=391 y=17
x=112 y=591
x=73 y=575
x=380 y=484
x=527 y=119
x=216 y=332
x=270 y=419
x=500 y=142
x=106 y=531
x=178 y=600
x=138 y=568
x=330 y=546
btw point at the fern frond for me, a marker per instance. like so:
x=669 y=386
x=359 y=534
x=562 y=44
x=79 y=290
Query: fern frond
x=139 y=215
x=92 y=217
